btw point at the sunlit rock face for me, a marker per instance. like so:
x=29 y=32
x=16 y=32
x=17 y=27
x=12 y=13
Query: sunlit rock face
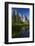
x=16 y=12
x=22 y=17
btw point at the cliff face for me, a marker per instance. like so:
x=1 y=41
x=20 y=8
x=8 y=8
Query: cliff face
x=18 y=18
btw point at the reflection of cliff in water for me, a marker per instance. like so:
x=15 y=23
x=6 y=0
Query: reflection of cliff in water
x=24 y=32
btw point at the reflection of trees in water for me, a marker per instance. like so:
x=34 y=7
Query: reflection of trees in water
x=20 y=32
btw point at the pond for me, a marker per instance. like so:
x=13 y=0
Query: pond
x=20 y=31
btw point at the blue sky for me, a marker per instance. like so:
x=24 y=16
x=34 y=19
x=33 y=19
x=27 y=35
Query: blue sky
x=23 y=11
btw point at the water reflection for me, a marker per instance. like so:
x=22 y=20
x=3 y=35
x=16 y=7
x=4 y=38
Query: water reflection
x=24 y=32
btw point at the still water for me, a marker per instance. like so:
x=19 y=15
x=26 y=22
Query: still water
x=24 y=32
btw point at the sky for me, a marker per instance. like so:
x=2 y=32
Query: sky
x=23 y=11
